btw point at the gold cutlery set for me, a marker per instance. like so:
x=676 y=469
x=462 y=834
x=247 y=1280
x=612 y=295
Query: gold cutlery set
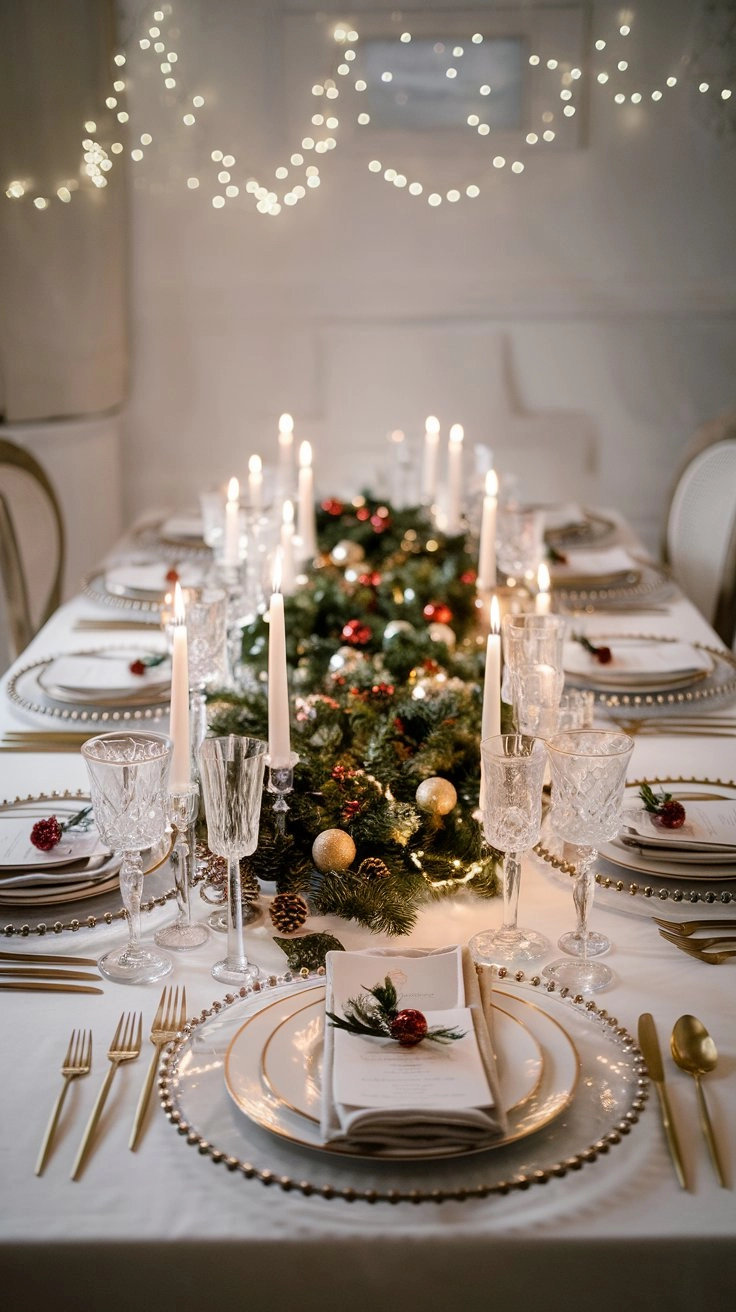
x=687 y=936
x=46 y=740
x=38 y=972
x=125 y=1046
x=694 y=1052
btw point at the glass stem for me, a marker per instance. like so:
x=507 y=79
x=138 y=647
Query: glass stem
x=183 y=849
x=511 y=882
x=131 y=887
x=583 y=893
x=235 y=958
x=198 y=722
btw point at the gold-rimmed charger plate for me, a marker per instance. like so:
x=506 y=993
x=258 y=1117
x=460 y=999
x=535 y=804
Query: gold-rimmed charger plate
x=609 y=1098
x=263 y=1106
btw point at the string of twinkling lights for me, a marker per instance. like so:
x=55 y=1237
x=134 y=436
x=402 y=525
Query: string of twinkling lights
x=296 y=177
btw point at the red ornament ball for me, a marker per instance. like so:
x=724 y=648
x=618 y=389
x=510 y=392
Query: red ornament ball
x=332 y=506
x=356 y=633
x=45 y=834
x=409 y=1027
x=437 y=611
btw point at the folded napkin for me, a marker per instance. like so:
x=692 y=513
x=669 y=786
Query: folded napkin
x=635 y=659
x=17 y=852
x=123 y=579
x=610 y=565
x=431 y=1098
x=91 y=677
x=709 y=828
x=560 y=517
x=183 y=526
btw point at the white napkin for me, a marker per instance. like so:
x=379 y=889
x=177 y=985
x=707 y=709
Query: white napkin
x=710 y=827
x=414 y=1103
x=611 y=563
x=122 y=579
x=183 y=526
x=91 y=677
x=634 y=659
x=564 y=516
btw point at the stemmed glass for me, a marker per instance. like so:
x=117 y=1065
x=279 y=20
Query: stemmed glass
x=231 y=771
x=588 y=776
x=207 y=638
x=519 y=540
x=533 y=648
x=513 y=771
x=128 y=775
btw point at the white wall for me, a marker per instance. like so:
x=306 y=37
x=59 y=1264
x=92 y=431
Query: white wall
x=595 y=292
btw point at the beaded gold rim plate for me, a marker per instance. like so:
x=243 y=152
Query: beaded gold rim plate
x=719 y=682
x=103 y=903
x=645 y=580
x=533 y=1097
x=592 y=530
x=608 y=1102
x=653 y=885
x=26 y=690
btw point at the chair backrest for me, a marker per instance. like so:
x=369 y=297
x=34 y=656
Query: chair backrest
x=700 y=542
x=32 y=545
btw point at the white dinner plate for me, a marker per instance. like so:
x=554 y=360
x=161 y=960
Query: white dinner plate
x=244 y=1073
x=643 y=663
x=692 y=865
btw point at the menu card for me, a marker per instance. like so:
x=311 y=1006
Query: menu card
x=18 y=852
x=709 y=826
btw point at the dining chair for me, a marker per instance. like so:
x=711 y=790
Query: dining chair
x=32 y=545
x=700 y=531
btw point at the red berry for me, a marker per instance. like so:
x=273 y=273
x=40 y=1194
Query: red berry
x=45 y=834
x=409 y=1027
x=172 y=576
x=137 y=667
x=603 y=655
x=671 y=815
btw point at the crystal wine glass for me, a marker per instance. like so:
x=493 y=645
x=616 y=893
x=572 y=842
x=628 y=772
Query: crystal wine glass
x=588 y=776
x=128 y=774
x=231 y=771
x=519 y=540
x=513 y=771
x=533 y=656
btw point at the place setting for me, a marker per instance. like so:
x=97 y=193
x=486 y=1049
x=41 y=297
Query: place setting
x=639 y=674
x=141 y=583
x=96 y=684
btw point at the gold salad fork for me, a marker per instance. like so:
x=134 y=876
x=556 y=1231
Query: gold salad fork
x=125 y=1046
x=687 y=927
x=691 y=948
x=77 y=1062
x=167 y=1022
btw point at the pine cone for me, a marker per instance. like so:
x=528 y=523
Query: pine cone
x=373 y=868
x=288 y=912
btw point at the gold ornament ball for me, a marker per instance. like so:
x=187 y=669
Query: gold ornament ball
x=436 y=795
x=333 y=849
x=347 y=553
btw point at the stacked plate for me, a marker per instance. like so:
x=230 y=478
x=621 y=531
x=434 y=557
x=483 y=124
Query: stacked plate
x=704 y=848
x=79 y=866
x=142 y=584
x=569 y=525
x=95 y=686
x=636 y=664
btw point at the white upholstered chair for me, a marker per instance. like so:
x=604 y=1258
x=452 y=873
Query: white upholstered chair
x=700 y=533
x=32 y=547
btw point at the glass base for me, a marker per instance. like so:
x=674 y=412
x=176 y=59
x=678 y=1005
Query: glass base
x=141 y=967
x=593 y=945
x=181 y=937
x=498 y=947
x=219 y=919
x=235 y=975
x=579 y=976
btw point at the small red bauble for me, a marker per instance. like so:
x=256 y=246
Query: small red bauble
x=172 y=576
x=45 y=834
x=671 y=815
x=332 y=506
x=438 y=612
x=409 y=1027
x=356 y=633
x=137 y=667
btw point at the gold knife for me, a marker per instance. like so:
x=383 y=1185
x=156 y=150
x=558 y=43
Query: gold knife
x=649 y=1044
x=46 y=986
x=44 y=972
x=46 y=959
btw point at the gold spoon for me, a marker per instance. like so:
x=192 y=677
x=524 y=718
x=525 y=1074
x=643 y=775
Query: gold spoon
x=695 y=1052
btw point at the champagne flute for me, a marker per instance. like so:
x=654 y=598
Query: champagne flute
x=588 y=776
x=513 y=772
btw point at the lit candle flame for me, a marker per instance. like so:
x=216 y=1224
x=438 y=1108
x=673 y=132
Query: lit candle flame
x=495 y=615
x=432 y=425
x=277 y=572
x=543 y=579
x=305 y=455
x=287 y=513
x=233 y=491
x=491 y=483
x=396 y=436
x=180 y=612
x=457 y=433
x=286 y=425
x=255 y=465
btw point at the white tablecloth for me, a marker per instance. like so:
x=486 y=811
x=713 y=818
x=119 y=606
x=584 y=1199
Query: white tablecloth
x=165 y=1228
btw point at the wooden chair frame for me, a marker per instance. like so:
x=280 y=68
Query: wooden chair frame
x=22 y=627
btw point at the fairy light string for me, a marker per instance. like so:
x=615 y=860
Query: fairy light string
x=612 y=73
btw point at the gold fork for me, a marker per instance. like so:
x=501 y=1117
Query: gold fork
x=77 y=1062
x=698 y=944
x=167 y=1022
x=688 y=927
x=125 y=1046
x=688 y=946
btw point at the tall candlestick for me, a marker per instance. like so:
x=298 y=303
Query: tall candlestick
x=232 y=524
x=279 y=742
x=487 y=554
x=180 y=778
x=543 y=599
x=490 y=722
x=454 y=478
x=306 y=525
x=288 y=579
x=286 y=453
x=255 y=483
x=431 y=450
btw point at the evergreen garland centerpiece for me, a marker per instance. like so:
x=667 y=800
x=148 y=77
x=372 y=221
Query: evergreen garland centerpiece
x=386 y=671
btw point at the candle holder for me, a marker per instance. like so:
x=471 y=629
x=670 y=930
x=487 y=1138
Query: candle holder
x=281 y=782
x=183 y=934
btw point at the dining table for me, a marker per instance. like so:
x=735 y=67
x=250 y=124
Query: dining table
x=182 y=1222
